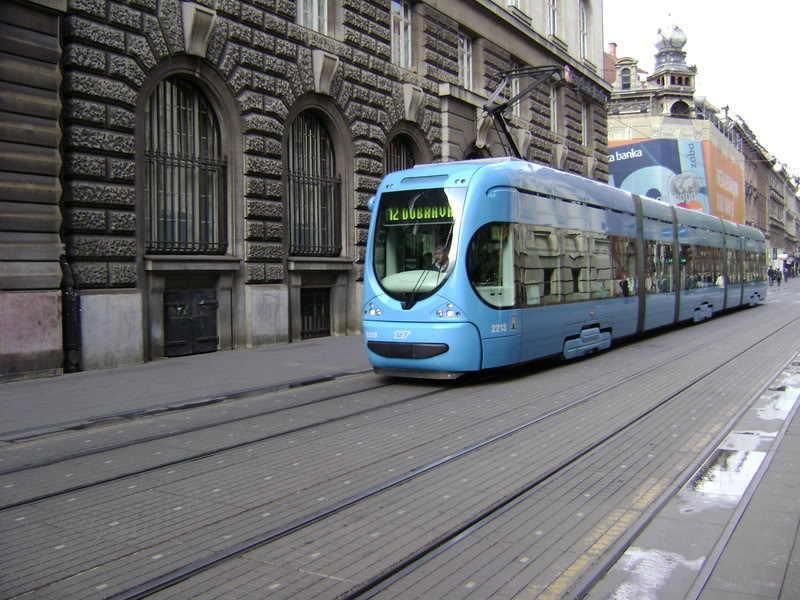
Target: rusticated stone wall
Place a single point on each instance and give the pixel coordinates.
(266, 60)
(104, 63)
(30, 191)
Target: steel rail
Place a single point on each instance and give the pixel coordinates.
(178, 575)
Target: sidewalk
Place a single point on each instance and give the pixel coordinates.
(38, 406)
(733, 531)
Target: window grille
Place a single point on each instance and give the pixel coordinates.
(401, 33)
(399, 155)
(314, 190)
(184, 173)
(315, 312)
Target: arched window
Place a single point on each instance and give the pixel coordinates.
(314, 190)
(184, 172)
(399, 154)
(680, 109)
(625, 76)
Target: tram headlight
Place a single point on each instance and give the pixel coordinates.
(373, 311)
(448, 310)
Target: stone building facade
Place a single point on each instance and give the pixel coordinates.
(663, 105)
(772, 195)
(216, 157)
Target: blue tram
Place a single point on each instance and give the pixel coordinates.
(486, 263)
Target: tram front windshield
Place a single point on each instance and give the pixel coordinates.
(414, 245)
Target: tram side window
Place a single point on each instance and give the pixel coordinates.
(755, 266)
(623, 260)
(735, 265)
(540, 258)
(602, 273)
(761, 261)
(700, 266)
(687, 266)
(760, 269)
(613, 266)
(715, 266)
(490, 264)
(567, 265)
(658, 268)
(575, 283)
(749, 266)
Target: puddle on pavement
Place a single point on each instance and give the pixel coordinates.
(778, 401)
(745, 441)
(717, 487)
(722, 481)
(648, 572)
(728, 473)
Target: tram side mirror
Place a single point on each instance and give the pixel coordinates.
(371, 203)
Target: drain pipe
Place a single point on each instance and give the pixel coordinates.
(71, 319)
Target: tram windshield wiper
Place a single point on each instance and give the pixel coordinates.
(411, 299)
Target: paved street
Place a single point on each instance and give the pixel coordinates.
(552, 473)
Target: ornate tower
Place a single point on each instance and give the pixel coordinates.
(672, 80)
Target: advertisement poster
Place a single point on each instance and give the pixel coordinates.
(669, 170)
(725, 181)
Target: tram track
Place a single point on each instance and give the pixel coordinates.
(426, 554)
(95, 452)
(214, 559)
(200, 455)
(257, 541)
(172, 434)
(429, 551)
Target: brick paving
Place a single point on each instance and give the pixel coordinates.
(557, 541)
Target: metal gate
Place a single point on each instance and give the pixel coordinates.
(190, 322)
(315, 312)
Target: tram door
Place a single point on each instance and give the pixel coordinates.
(190, 322)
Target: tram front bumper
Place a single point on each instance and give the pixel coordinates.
(422, 347)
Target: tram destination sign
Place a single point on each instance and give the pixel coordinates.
(396, 215)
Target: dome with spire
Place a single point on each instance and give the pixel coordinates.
(670, 55)
(670, 37)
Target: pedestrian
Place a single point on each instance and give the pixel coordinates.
(771, 275)
(778, 276)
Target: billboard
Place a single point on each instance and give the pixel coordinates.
(699, 175)
(669, 170)
(725, 174)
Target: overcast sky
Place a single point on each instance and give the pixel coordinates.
(746, 55)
